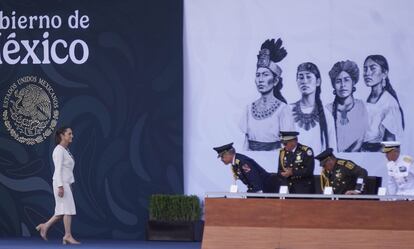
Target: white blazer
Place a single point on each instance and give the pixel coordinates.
(64, 165)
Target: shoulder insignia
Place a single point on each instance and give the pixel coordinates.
(304, 147)
(246, 168)
(309, 152)
(349, 165)
(237, 161)
(341, 162)
(407, 159)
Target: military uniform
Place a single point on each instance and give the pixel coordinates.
(343, 176)
(400, 171)
(401, 176)
(302, 163)
(250, 173)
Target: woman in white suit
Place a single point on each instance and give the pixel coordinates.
(62, 180)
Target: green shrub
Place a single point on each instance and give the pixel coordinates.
(174, 208)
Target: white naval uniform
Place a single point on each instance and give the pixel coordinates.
(63, 176)
(401, 176)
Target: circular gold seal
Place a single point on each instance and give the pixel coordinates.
(30, 110)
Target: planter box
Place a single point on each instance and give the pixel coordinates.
(175, 231)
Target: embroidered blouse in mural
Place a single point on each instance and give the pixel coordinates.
(385, 114)
(262, 127)
(308, 125)
(350, 134)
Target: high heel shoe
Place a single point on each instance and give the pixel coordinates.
(70, 240)
(40, 229)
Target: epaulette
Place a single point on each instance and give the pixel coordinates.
(349, 165)
(307, 150)
(341, 162)
(407, 159)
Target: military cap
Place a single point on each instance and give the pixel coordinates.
(288, 135)
(324, 155)
(223, 149)
(388, 146)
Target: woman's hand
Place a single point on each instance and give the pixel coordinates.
(60, 191)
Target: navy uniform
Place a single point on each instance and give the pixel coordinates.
(301, 161)
(247, 170)
(343, 176)
(400, 171)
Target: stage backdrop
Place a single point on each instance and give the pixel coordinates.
(225, 93)
(110, 70)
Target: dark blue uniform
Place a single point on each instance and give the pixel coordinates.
(250, 173)
(302, 163)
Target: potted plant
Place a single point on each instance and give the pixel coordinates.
(174, 218)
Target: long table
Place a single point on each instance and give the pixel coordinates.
(275, 221)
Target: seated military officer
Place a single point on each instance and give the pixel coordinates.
(245, 169)
(400, 170)
(296, 164)
(340, 174)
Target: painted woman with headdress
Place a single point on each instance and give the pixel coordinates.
(349, 113)
(385, 115)
(269, 114)
(312, 120)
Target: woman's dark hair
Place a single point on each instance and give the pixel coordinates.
(352, 69)
(59, 132)
(310, 67)
(347, 66)
(382, 62)
(276, 90)
(273, 51)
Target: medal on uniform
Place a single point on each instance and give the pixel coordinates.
(402, 169)
(298, 158)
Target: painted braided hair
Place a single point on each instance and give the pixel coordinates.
(310, 67)
(349, 67)
(380, 60)
(276, 54)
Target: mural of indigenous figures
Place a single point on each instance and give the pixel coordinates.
(385, 115)
(350, 114)
(269, 114)
(313, 121)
